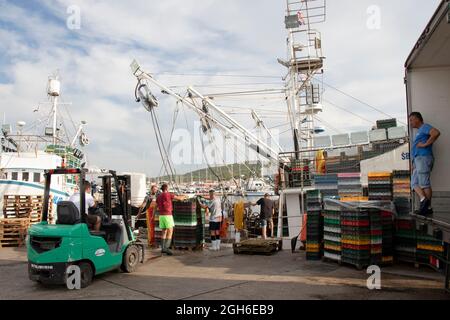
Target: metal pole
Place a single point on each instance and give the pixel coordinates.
(280, 216)
(76, 135)
(55, 110)
(261, 123)
(233, 122)
(200, 112)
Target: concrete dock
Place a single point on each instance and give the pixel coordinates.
(206, 275)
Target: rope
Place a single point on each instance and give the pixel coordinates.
(163, 152)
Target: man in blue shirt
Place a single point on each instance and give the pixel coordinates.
(423, 160)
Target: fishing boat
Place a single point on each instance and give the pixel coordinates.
(47, 143)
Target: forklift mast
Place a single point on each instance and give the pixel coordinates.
(123, 188)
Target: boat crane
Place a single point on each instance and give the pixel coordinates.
(226, 124)
(260, 124)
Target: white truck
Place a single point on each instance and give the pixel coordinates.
(428, 92)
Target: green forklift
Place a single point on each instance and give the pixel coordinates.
(53, 248)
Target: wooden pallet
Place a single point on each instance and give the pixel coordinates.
(418, 264)
(188, 248)
(20, 206)
(13, 232)
(258, 247)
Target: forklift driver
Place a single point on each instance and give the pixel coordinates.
(94, 221)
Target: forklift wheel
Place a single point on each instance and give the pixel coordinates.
(86, 274)
(130, 259)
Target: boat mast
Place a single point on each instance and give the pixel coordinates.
(305, 60)
(54, 90)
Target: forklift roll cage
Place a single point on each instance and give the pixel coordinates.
(123, 193)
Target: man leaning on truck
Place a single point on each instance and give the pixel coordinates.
(423, 160)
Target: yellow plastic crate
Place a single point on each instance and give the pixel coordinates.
(430, 248)
(357, 243)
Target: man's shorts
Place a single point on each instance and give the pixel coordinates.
(166, 222)
(214, 226)
(422, 171)
(265, 222)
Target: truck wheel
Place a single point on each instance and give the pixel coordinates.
(130, 259)
(87, 274)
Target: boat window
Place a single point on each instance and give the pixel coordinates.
(37, 177)
(25, 176)
(14, 176)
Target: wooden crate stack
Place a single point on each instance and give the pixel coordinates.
(29, 207)
(19, 213)
(13, 232)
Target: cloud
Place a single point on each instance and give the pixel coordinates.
(191, 37)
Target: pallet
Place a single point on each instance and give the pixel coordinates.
(21, 206)
(13, 232)
(11, 244)
(358, 267)
(329, 260)
(258, 247)
(189, 248)
(419, 265)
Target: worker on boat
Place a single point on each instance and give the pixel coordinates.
(94, 221)
(423, 160)
(214, 210)
(266, 214)
(166, 222)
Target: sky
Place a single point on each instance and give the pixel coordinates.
(217, 46)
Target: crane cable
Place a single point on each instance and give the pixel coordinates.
(174, 120)
(210, 138)
(163, 152)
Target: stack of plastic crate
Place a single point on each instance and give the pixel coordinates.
(428, 249)
(380, 186)
(349, 185)
(376, 236)
(300, 176)
(405, 242)
(201, 225)
(314, 226)
(356, 240)
(332, 231)
(327, 184)
(186, 223)
(388, 236)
